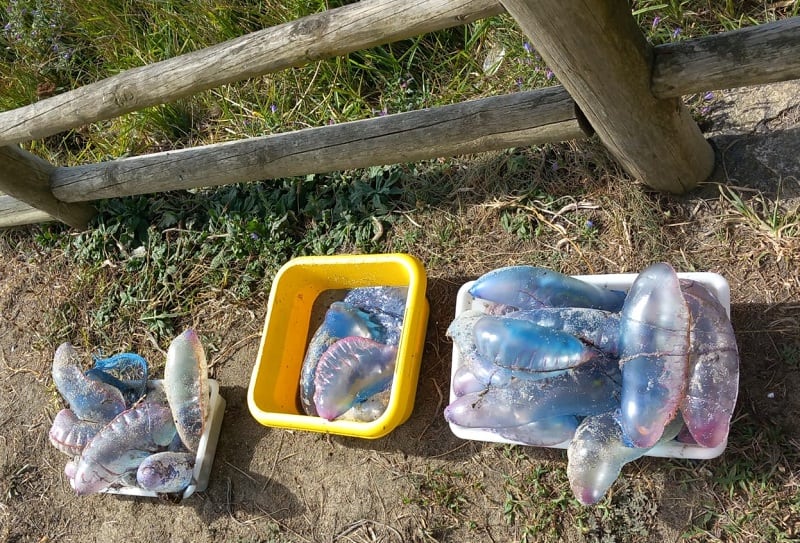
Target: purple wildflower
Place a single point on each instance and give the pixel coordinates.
(527, 46)
(708, 96)
(273, 108)
(549, 74)
(656, 21)
(676, 32)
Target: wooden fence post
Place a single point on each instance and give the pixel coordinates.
(26, 178)
(603, 60)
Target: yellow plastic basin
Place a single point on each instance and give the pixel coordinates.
(273, 392)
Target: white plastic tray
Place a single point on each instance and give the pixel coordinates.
(715, 283)
(205, 450)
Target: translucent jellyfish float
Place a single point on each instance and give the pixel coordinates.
(610, 374)
(350, 360)
(654, 354)
(123, 431)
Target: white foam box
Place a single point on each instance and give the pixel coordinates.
(205, 450)
(715, 283)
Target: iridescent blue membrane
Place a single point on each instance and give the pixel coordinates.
(349, 363)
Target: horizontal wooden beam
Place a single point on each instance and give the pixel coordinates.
(753, 55)
(499, 122)
(331, 33)
(26, 178)
(16, 213)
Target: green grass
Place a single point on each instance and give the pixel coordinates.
(231, 239)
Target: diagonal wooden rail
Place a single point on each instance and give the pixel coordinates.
(323, 35)
(606, 67)
(16, 164)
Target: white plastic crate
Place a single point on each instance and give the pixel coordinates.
(715, 283)
(206, 449)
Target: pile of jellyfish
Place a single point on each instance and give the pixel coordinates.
(553, 360)
(123, 430)
(349, 363)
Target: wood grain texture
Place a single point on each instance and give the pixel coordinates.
(499, 122)
(16, 213)
(754, 55)
(335, 32)
(26, 178)
(601, 57)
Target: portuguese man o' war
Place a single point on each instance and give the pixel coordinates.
(369, 409)
(349, 364)
(69, 434)
(654, 366)
(589, 389)
(595, 327)
(341, 320)
(351, 371)
(525, 346)
(541, 433)
(89, 399)
(143, 435)
(654, 348)
(385, 305)
(166, 472)
(530, 287)
(121, 445)
(713, 383)
(597, 453)
(478, 371)
(186, 386)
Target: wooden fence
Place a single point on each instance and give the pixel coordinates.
(614, 84)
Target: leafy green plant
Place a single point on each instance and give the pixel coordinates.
(537, 500)
(238, 235)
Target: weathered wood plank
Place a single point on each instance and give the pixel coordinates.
(603, 60)
(26, 177)
(335, 32)
(499, 122)
(16, 213)
(753, 55)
